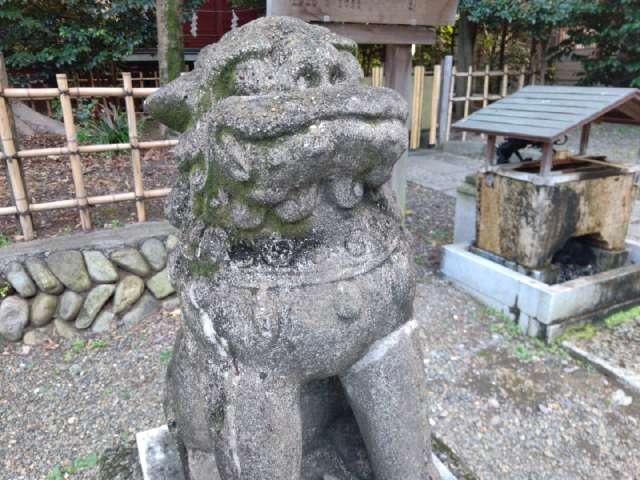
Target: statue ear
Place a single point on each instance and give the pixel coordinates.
(170, 104)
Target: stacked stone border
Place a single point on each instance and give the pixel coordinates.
(87, 283)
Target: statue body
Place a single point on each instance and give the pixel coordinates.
(298, 358)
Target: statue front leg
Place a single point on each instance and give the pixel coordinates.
(261, 437)
(386, 390)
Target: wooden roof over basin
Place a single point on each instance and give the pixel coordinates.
(546, 113)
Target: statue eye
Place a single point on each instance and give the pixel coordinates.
(336, 75)
(308, 77)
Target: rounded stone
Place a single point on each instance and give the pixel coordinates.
(35, 337)
(154, 251)
(160, 285)
(128, 291)
(65, 330)
(100, 268)
(69, 268)
(93, 304)
(132, 261)
(171, 243)
(14, 317)
(104, 322)
(20, 280)
(43, 308)
(42, 276)
(69, 305)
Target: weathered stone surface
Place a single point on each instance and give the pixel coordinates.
(154, 251)
(128, 291)
(65, 330)
(291, 265)
(171, 243)
(35, 337)
(160, 285)
(69, 268)
(43, 308)
(141, 310)
(69, 305)
(100, 268)
(132, 261)
(104, 322)
(94, 302)
(20, 280)
(42, 276)
(14, 317)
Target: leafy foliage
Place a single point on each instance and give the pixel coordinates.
(75, 35)
(110, 126)
(51, 36)
(613, 27)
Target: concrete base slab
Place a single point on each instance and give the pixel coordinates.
(160, 460)
(542, 310)
(158, 454)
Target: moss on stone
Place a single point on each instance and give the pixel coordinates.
(174, 114)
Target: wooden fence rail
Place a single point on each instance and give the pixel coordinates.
(12, 155)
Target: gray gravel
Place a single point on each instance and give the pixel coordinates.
(618, 346)
(62, 402)
(507, 408)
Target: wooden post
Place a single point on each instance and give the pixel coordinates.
(443, 116)
(377, 76)
(485, 92)
(451, 95)
(14, 172)
(135, 149)
(490, 151)
(521, 79)
(467, 97)
(546, 161)
(505, 82)
(74, 156)
(398, 77)
(435, 101)
(416, 108)
(584, 139)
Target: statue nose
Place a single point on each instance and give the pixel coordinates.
(319, 75)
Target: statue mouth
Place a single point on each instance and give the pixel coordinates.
(294, 139)
(264, 117)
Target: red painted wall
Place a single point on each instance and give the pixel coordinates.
(214, 20)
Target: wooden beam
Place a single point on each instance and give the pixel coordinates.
(445, 92)
(398, 77)
(435, 101)
(546, 161)
(14, 170)
(433, 12)
(490, 150)
(584, 138)
(384, 34)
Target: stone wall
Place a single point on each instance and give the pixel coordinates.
(84, 283)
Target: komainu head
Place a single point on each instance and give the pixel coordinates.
(280, 139)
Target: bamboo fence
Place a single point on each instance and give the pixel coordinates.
(12, 155)
(477, 92)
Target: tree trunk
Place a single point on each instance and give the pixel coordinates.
(503, 44)
(543, 61)
(532, 59)
(466, 36)
(170, 41)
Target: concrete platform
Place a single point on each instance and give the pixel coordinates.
(542, 310)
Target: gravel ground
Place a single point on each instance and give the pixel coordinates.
(619, 346)
(63, 403)
(503, 407)
(506, 407)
